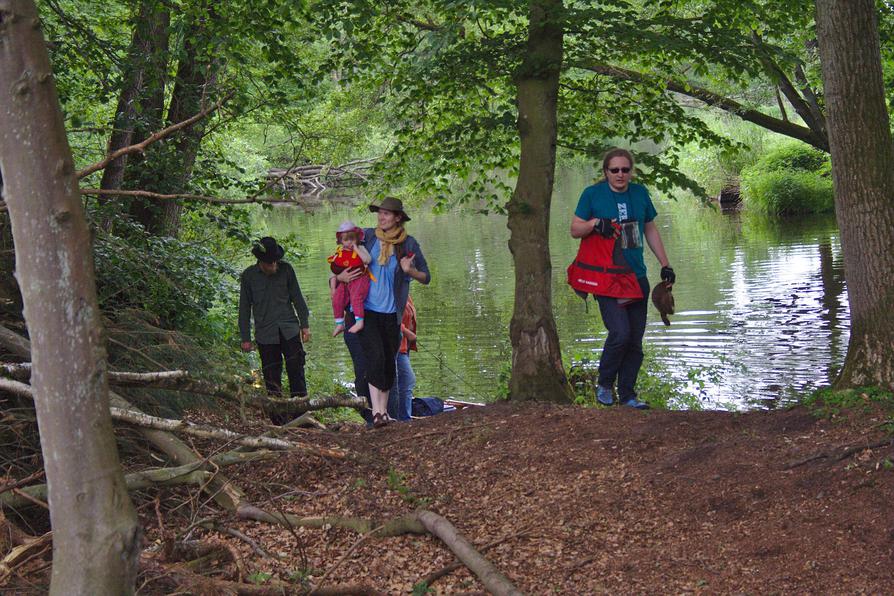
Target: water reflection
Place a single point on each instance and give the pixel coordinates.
(762, 306)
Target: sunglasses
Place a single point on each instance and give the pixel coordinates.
(616, 170)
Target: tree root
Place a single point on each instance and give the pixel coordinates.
(495, 582)
(836, 457)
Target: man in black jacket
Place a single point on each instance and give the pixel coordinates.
(270, 294)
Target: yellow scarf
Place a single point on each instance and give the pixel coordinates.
(387, 240)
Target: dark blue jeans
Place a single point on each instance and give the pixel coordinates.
(358, 359)
(622, 355)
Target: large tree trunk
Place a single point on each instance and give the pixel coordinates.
(194, 88)
(142, 90)
(96, 539)
(537, 371)
(863, 172)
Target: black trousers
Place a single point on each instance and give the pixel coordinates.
(272, 356)
(380, 337)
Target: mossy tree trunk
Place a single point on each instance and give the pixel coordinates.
(863, 173)
(96, 539)
(537, 371)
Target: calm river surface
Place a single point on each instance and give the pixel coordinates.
(762, 308)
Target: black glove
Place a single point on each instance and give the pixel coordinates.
(668, 275)
(604, 228)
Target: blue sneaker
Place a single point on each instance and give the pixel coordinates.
(635, 403)
(604, 395)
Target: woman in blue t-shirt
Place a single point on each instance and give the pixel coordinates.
(396, 260)
(616, 200)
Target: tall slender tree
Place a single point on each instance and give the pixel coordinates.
(537, 371)
(96, 539)
(863, 173)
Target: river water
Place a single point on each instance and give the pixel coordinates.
(762, 310)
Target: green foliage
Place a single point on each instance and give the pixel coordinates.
(178, 282)
(259, 578)
(828, 402)
(794, 157)
(789, 180)
(422, 588)
(397, 481)
(655, 385)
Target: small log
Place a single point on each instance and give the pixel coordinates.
(224, 492)
(196, 430)
(495, 582)
(188, 474)
(407, 524)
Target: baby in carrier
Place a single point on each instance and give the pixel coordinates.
(349, 255)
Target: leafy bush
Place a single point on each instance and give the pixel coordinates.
(789, 180)
(794, 156)
(788, 193)
(177, 282)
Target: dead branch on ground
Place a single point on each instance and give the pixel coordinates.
(187, 474)
(20, 555)
(495, 582)
(432, 577)
(406, 524)
(840, 455)
(224, 492)
(137, 418)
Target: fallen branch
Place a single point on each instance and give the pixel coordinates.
(21, 482)
(495, 582)
(181, 380)
(202, 431)
(138, 418)
(257, 548)
(224, 492)
(187, 474)
(432, 577)
(20, 555)
(406, 524)
(836, 457)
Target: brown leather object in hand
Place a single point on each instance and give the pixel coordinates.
(663, 299)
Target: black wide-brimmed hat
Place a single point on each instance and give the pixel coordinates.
(391, 204)
(266, 249)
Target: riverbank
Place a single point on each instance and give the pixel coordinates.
(589, 501)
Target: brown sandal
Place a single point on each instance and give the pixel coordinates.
(380, 420)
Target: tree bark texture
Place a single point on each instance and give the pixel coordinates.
(863, 175)
(537, 371)
(96, 537)
(144, 76)
(194, 87)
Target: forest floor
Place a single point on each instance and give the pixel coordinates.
(583, 501)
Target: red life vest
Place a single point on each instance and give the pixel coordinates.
(600, 268)
(344, 259)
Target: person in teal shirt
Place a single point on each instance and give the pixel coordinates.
(616, 200)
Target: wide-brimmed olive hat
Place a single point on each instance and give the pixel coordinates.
(266, 249)
(391, 204)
